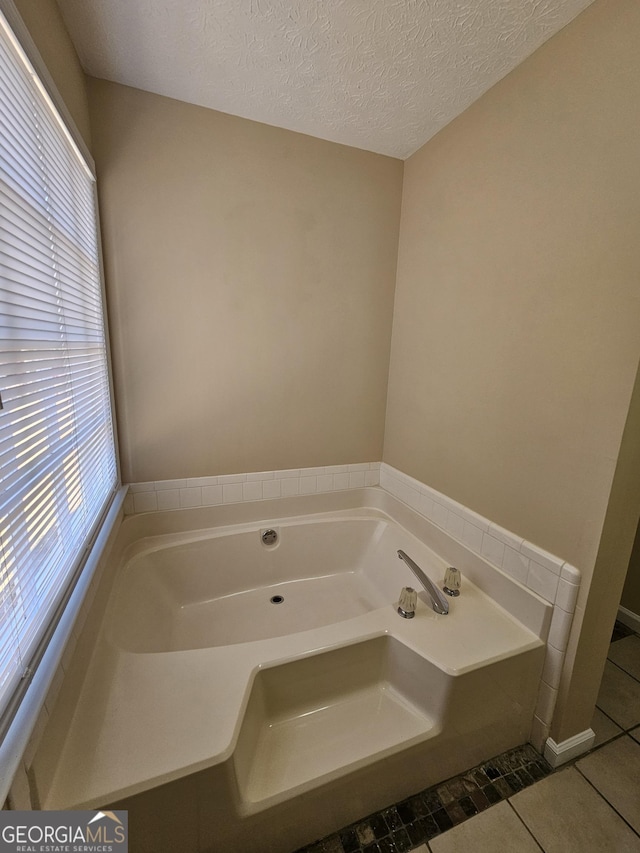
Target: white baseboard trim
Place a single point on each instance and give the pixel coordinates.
(559, 753)
(629, 618)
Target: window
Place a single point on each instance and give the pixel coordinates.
(57, 457)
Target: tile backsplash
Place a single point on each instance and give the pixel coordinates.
(236, 488)
(549, 576)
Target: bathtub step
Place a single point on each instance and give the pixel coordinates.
(293, 752)
(316, 719)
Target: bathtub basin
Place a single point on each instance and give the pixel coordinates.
(229, 588)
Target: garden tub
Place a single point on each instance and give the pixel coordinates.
(260, 666)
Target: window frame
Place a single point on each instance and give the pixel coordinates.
(22, 714)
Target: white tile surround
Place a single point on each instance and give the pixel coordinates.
(550, 577)
(236, 488)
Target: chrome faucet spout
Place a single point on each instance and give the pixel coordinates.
(438, 601)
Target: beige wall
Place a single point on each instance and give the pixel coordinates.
(516, 332)
(47, 29)
(250, 274)
(517, 313)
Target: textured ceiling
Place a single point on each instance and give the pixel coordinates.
(383, 75)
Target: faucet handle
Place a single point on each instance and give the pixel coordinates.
(408, 602)
(452, 581)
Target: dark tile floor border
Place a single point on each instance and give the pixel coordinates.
(412, 822)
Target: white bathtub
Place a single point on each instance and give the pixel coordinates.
(288, 719)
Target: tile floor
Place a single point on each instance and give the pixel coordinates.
(517, 804)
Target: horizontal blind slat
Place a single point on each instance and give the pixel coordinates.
(34, 224)
(57, 455)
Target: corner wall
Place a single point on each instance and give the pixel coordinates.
(250, 277)
(515, 338)
(594, 618)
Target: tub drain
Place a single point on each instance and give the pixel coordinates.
(276, 599)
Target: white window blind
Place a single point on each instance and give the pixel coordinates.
(57, 456)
